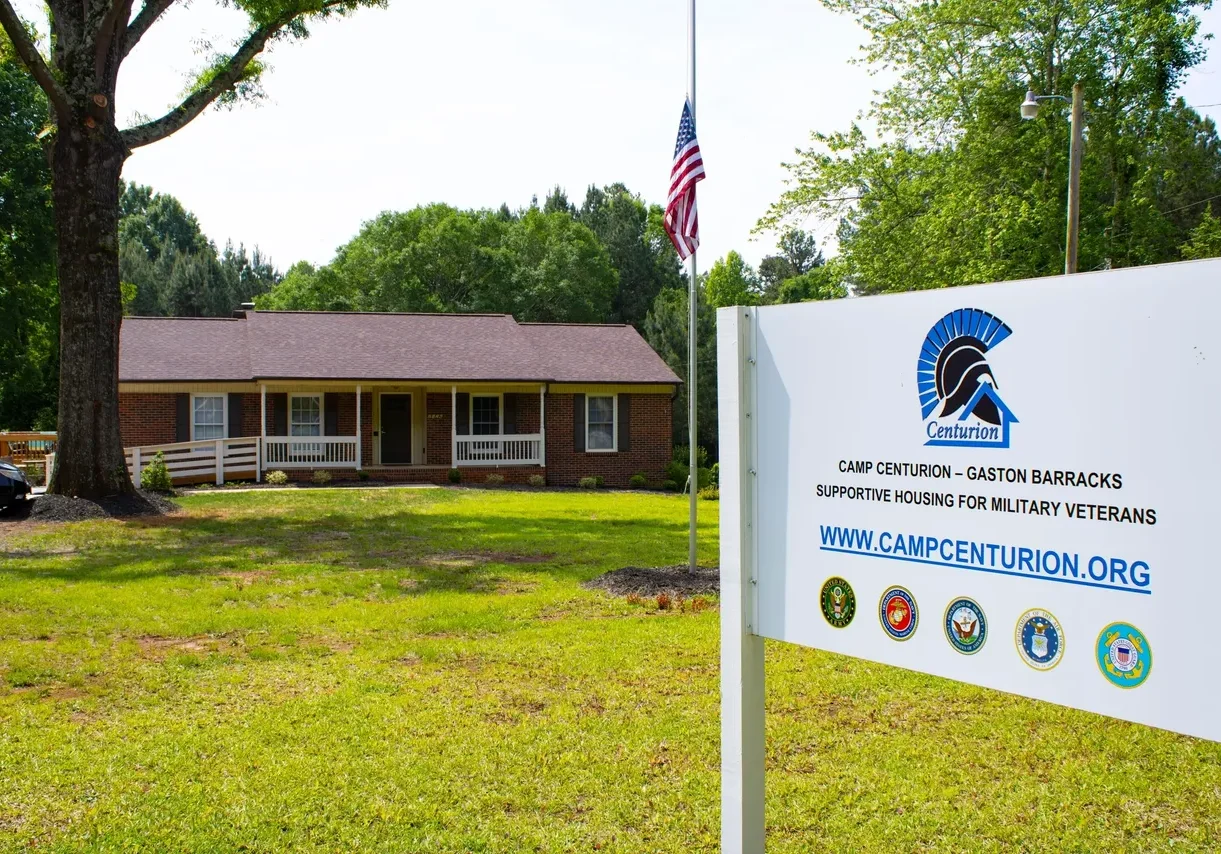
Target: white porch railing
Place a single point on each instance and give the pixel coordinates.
(301, 452)
(522, 450)
(212, 458)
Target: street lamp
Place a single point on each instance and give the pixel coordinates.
(1030, 110)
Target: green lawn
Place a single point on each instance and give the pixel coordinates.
(419, 670)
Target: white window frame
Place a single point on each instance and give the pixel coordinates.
(500, 414)
(614, 448)
(224, 408)
(321, 412)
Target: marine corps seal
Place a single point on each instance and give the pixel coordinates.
(898, 614)
(838, 602)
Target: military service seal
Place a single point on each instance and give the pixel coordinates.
(897, 611)
(966, 628)
(1124, 655)
(838, 602)
(1039, 639)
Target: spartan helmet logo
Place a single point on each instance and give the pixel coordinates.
(953, 365)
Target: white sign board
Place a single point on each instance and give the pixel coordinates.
(1012, 485)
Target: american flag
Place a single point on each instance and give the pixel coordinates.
(682, 221)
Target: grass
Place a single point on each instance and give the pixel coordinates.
(420, 671)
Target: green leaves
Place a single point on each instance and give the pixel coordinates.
(958, 189)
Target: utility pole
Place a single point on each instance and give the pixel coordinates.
(1074, 181)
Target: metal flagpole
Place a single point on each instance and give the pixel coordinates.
(693, 482)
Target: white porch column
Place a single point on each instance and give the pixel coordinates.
(258, 474)
(453, 427)
(358, 428)
(542, 425)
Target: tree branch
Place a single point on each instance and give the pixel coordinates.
(198, 101)
(33, 60)
(145, 18)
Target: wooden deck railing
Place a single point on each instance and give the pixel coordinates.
(207, 459)
(27, 447)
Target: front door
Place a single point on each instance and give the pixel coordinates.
(396, 429)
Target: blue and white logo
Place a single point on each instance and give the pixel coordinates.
(958, 391)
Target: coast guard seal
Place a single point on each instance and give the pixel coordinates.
(1039, 639)
(1124, 655)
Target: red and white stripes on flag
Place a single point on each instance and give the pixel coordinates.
(682, 221)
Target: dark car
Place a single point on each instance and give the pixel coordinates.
(14, 487)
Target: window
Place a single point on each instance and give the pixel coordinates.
(208, 417)
(600, 423)
(485, 415)
(306, 415)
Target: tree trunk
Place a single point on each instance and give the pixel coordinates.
(86, 165)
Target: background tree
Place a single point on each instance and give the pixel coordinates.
(732, 281)
(28, 310)
(89, 40)
(1205, 239)
(643, 257)
(960, 190)
(665, 328)
(798, 254)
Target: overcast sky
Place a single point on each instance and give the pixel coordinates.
(479, 102)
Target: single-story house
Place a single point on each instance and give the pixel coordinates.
(268, 390)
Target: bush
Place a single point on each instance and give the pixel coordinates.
(362, 475)
(678, 472)
(155, 475)
(538, 480)
(322, 477)
(588, 483)
(455, 476)
(710, 493)
(716, 474)
(598, 480)
(276, 478)
(637, 481)
(682, 454)
(669, 485)
(495, 479)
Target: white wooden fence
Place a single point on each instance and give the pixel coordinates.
(211, 458)
(512, 450)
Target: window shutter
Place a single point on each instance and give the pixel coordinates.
(464, 414)
(624, 427)
(279, 414)
(510, 414)
(235, 415)
(578, 422)
(330, 414)
(182, 419)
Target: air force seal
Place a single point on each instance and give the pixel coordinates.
(897, 611)
(838, 602)
(1039, 639)
(1124, 655)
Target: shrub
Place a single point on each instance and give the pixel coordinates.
(588, 483)
(495, 479)
(538, 480)
(663, 601)
(155, 475)
(716, 474)
(276, 478)
(207, 484)
(362, 475)
(322, 477)
(599, 481)
(669, 485)
(677, 472)
(635, 599)
(637, 481)
(455, 476)
(710, 493)
(682, 454)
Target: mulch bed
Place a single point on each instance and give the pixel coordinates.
(650, 581)
(61, 508)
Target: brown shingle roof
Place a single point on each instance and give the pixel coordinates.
(336, 345)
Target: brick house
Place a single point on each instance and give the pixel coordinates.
(261, 391)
